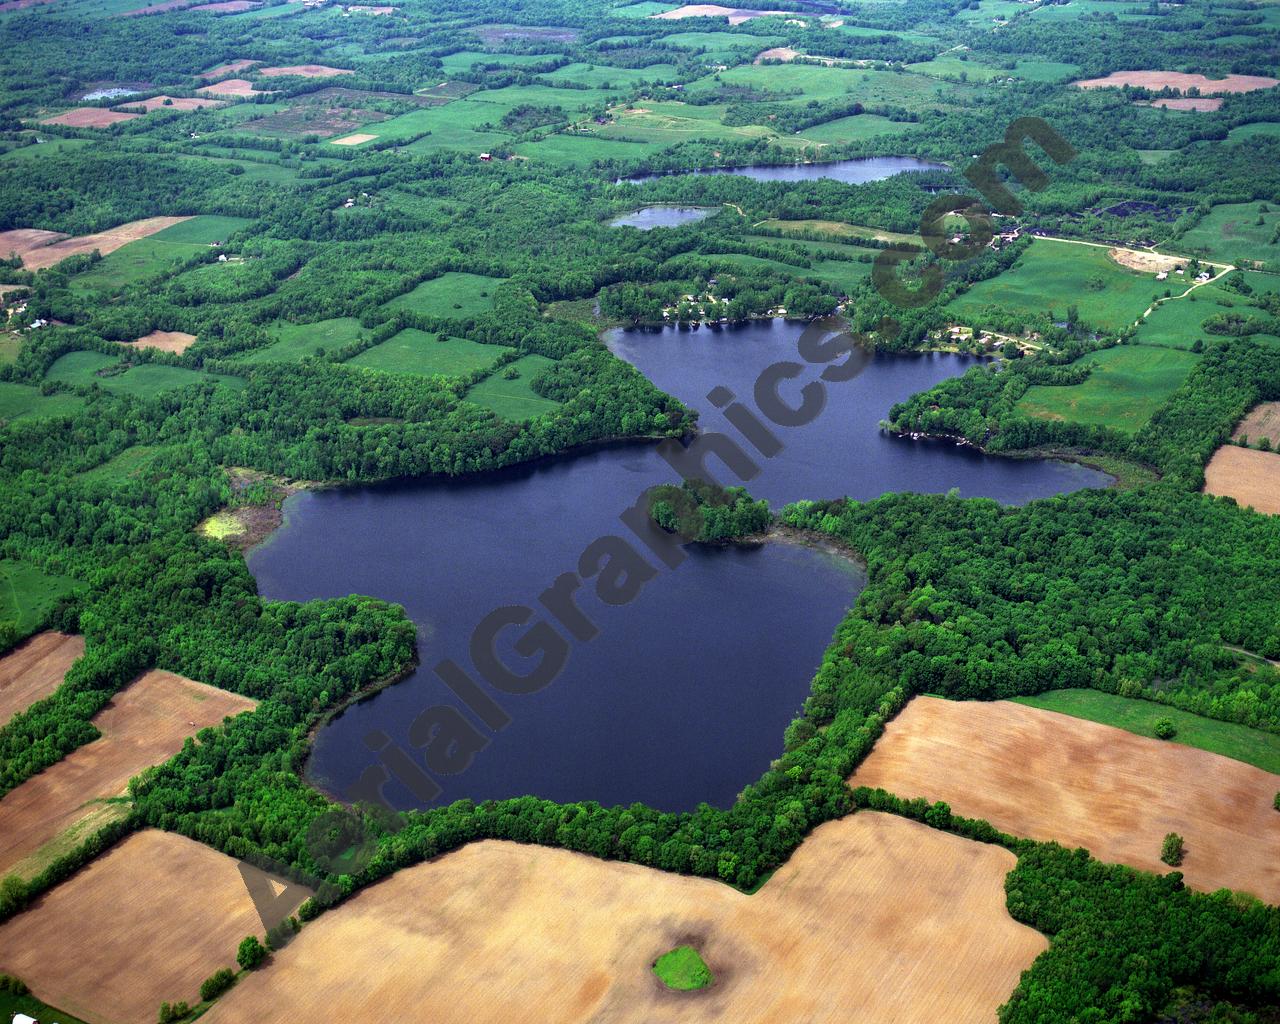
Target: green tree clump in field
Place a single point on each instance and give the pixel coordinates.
(217, 983)
(683, 969)
(1171, 852)
(251, 953)
(1165, 729)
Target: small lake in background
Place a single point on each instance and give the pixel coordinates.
(852, 172)
(649, 217)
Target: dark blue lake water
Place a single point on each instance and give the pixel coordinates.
(684, 694)
(851, 172)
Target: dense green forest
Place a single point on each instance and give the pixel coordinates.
(454, 187)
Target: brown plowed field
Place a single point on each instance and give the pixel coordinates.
(175, 103)
(874, 919)
(143, 924)
(239, 88)
(306, 71)
(1251, 477)
(104, 241)
(21, 241)
(1049, 776)
(33, 670)
(90, 117)
(144, 724)
(1263, 421)
(1180, 81)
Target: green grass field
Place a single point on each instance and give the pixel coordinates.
(27, 594)
(1180, 323)
(815, 82)
(1231, 233)
(949, 66)
(298, 341)
(10, 346)
(514, 400)
(855, 128)
(449, 295)
(130, 463)
(682, 969)
(414, 351)
(1239, 742)
(617, 79)
(43, 149)
(574, 150)
(146, 380)
(1255, 130)
(153, 255)
(22, 402)
(1052, 275)
(1127, 385)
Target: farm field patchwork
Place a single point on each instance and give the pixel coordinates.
(154, 917)
(1049, 776)
(155, 254)
(300, 341)
(1127, 385)
(106, 242)
(164, 341)
(1251, 477)
(1052, 275)
(1231, 232)
(1180, 81)
(417, 352)
(500, 931)
(34, 669)
(142, 725)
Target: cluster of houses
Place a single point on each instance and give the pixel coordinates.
(1201, 277)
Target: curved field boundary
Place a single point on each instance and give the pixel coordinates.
(104, 241)
(33, 670)
(1049, 776)
(874, 918)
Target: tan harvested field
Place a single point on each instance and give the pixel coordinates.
(873, 912)
(21, 241)
(777, 53)
(33, 670)
(1180, 81)
(1263, 421)
(90, 117)
(239, 88)
(164, 341)
(104, 241)
(143, 924)
(160, 8)
(1201, 103)
(1048, 776)
(306, 71)
(1249, 476)
(18, 5)
(228, 6)
(227, 69)
(142, 725)
(353, 140)
(1146, 262)
(372, 10)
(174, 103)
(736, 15)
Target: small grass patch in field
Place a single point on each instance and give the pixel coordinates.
(682, 969)
(299, 341)
(1127, 385)
(454, 294)
(511, 397)
(130, 463)
(10, 346)
(22, 402)
(1052, 275)
(417, 352)
(1238, 742)
(28, 594)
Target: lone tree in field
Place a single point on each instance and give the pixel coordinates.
(251, 953)
(1165, 729)
(1172, 851)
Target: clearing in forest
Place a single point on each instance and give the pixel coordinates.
(417, 352)
(499, 931)
(736, 15)
(164, 341)
(236, 88)
(104, 241)
(353, 140)
(1180, 81)
(1251, 477)
(33, 670)
(171, 103)
(27, 593)
(1048, 776)
(89, 117)
(227, 69)
(142, 725)
(21, 241)
(145, 923)
(1201, 103)
(305, 71)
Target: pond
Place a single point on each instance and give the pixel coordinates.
(851, 172)
(684, 693)
(649, 217)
